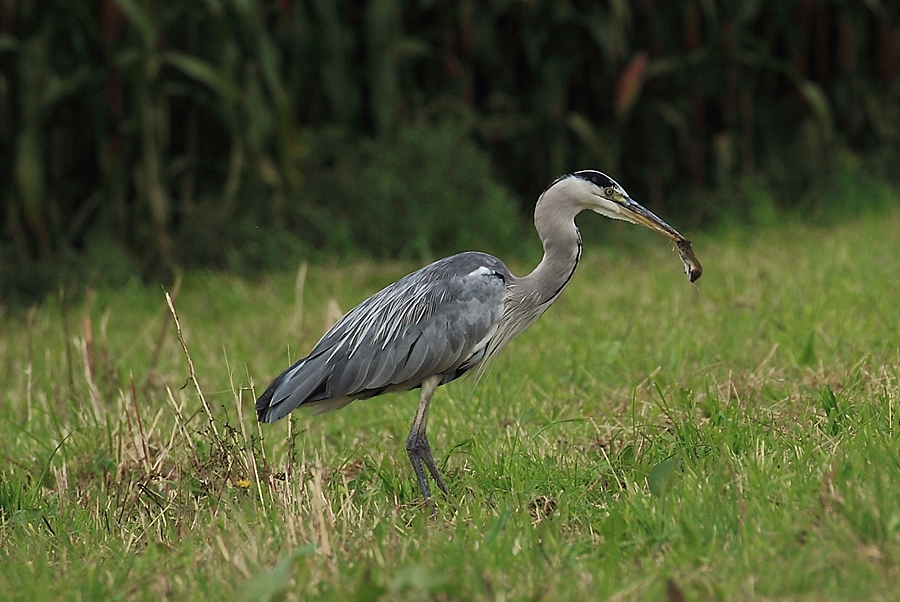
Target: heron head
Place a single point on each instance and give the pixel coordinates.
(606, 197)
(600, 193)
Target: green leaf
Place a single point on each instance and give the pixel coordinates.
(270, 63)
(271, 585)
(60, 88)
(497, 527)
(833, 411)
(203, 72)
(368, 590)
(139, 17)
(666, 65)
(417, 578)
(215, 7)
(614, 528)
(808, 355)
(29, 172)
(8, 42)
(244, 6)
(828, 401)
(818, 102)
(660, 477)
(592, 138)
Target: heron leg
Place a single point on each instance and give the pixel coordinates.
(417, 447)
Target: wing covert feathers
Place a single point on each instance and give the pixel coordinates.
(435, 321)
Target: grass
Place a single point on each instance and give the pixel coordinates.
(644, 440)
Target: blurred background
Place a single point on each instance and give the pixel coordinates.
(138, 137)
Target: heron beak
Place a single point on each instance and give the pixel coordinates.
(643, 216)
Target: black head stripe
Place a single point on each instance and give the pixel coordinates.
(595, 177)
(589, 175)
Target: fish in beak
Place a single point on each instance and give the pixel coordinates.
(641, 215)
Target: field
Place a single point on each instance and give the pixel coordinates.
(646, 439)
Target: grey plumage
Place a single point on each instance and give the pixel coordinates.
(449, 318)
(429, 322)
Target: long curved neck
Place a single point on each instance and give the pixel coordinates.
(554, 219)
(528, 297)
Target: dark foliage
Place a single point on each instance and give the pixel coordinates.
(187, 133)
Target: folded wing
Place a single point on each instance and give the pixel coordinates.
(435, 321)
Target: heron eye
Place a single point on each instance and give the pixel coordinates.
(609, 191)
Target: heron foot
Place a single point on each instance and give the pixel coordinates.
(419, 452)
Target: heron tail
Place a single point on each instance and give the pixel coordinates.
(284, 393)
(304, 382)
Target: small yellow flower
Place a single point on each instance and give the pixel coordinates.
(242, 483)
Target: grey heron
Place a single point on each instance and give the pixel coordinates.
(451, 317)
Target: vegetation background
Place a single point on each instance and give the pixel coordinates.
(274, 161)
(137, 136)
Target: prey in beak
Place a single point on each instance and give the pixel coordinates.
(608, 198)
(634, 211)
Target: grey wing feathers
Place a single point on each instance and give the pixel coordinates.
(437, 320)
